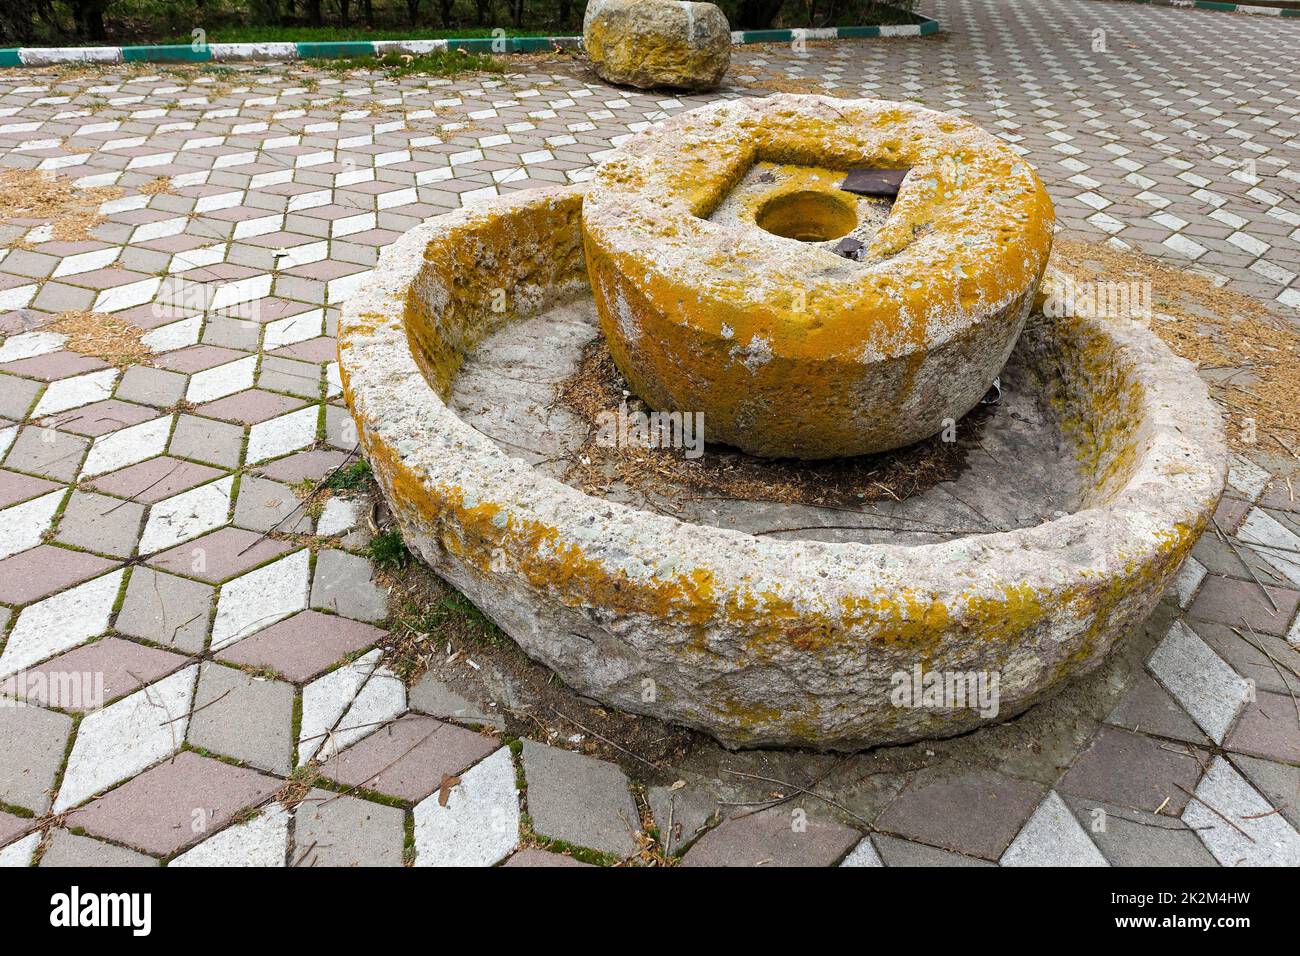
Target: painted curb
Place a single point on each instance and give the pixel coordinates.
(1224, 7)
(267, 52)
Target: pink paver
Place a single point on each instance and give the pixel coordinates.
(409, 757)
(302, 646)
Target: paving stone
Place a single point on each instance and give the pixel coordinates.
(207, 440)
(1229, 601)
(286, 375)
(187, 515)
(530, 856)
(314, 465)
(19, 853)
(15, 487)
(24, 525)
(1147, 707)
(47, 452)
(221, 555)
(262, 841)
(99, 523)
(245, 717)
(409, 758)
(126, 737)
(1132, 770)
(1206, 687)
(91, 675)
(155, 479)
(303, 646)
(896, 852)
(265, 505)
(1128, 837)
(60, 622)
(344, 584)
(17, 395)
(188, 797)
(40, 571)
(776, 837)
(166, 609)
(580, 800)
(478, 824)
(333, 830)
(974, 812)
(690, 809)
(99, 418)
(864, 854)
(1272, 840)
(1278, 782)
(70, 850)
(13, 826)
(259, 598)
(1269, 727)
(32, 742)
(250, 407)
(1257, 657)
(151, 386)
(1053, 837)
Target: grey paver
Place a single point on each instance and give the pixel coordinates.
(1133, 770)
(333, 830)
(166, 609)
(47, 452)
(898, 852)
(579, 799)
(1128, 837)
(207, 440)
(32, 742)
(409, 758)
(778, 836)
(70, 850)
(151, 386)
(435, 698)
(100, 523)
(1278, 782)
(264, 505)
(687, 810)
(17, 396)
(344, 584)
(245, 717)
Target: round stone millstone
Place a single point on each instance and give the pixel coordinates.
(653, 43)
(789, 349)
(756, 640)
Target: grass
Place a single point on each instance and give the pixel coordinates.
(353, 476)
(333, 34)
(388, 550)
(438, 63)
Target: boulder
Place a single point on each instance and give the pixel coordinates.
(651, 43)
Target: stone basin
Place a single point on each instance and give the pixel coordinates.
(756, 618)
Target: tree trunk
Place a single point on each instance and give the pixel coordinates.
(313, 12)
(412, 12)
(444, 9)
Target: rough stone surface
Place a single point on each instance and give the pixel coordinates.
(579, 800)
(790, 350)
(696, 602)
(651, 43)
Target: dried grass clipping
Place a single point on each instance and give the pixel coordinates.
(103, 336)
(42, 196)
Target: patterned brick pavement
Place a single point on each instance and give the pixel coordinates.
(248, 202)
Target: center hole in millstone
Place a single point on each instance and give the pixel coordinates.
(808, 215)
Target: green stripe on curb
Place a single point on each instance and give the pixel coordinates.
(474, 45)
(180, 53)
(766, 36)
(929, 27)
(854, 33)
(340, 48)
(10, 57)
(1212, 5)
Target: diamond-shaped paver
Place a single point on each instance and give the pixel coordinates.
(220, 555)
(262, 841)
(47, 452)
(1133, 770)
(207, 440)
(60, 622)
(1234, 602)
(99, 523)
(37, 572)
(151, 386)
(777, 836)
(1206, 687)
(260, 598)
(303, 646)
(335, 830)
(975, 812)
(91, 675)
(408, 758)
(268, 505)
(166, 609)
(32, 742)
(478, 822)
(580, 800)
(187, 796)
(1252, 833)
(245, 717)
(71, 850)
(1269, 727)
(1128, 837)
(344, 584)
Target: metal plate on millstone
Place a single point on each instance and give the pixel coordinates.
(874, 182)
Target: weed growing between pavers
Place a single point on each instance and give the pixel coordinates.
(388, 550)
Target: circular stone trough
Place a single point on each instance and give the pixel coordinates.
(709, 240)
(766, 622)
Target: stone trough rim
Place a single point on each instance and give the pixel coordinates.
(1197, 421)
